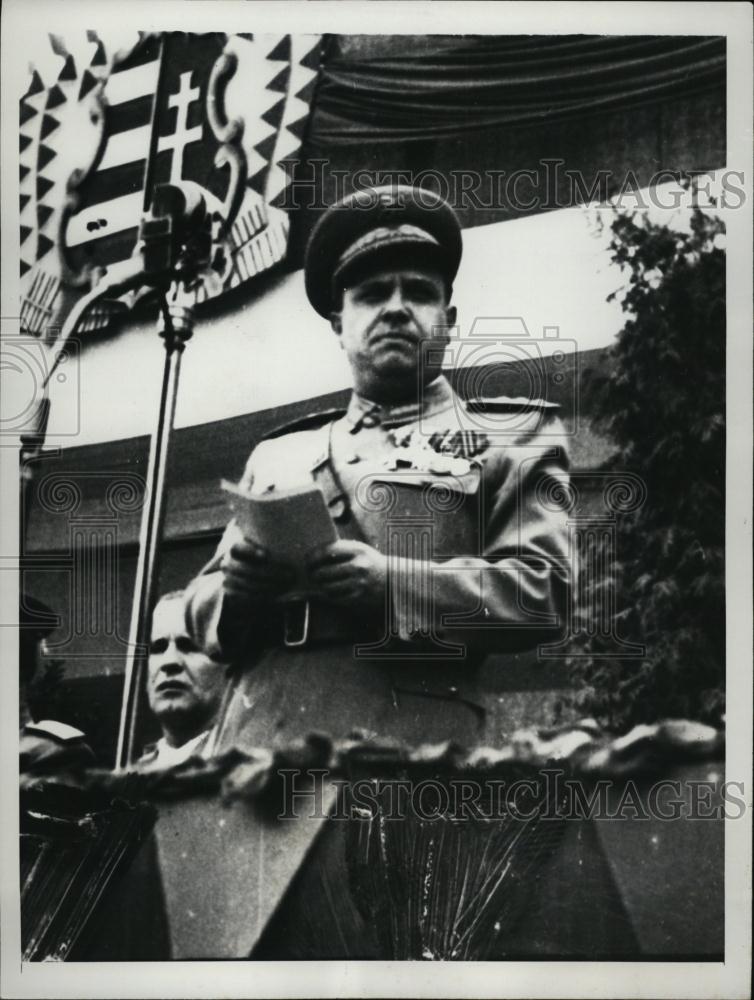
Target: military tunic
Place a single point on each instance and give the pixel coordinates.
(464, 499)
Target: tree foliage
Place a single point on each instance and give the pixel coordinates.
(663, 406)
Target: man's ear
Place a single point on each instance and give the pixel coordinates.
(450, 315)
(336, 322)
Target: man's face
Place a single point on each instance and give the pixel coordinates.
(184, 685)
(386, 316)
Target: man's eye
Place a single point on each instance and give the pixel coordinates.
(158, 646)
(371, 293)
(185, 645)
(421, 293)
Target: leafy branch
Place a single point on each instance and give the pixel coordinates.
(662, 404)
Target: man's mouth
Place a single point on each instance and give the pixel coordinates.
(405, 336)
(172, 686)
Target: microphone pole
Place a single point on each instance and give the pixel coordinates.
(176, 245)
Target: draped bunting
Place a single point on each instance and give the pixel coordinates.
(494, 81)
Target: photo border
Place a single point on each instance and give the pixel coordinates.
(730, 979)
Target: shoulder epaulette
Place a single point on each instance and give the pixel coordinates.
(508, 404)
(58, 730)
(306, 423)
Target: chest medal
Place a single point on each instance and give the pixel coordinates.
(443, 452)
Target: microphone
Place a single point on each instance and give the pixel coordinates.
(176, 234)
(175, 239)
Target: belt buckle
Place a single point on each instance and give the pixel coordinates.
(292, 636)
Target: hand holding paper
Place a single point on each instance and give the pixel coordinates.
(350, 572)
(250, 575)
(282, 530)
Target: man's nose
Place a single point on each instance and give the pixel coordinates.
(396, 303)
(171, 666)
(171, 660)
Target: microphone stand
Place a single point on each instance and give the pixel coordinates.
(176, 327)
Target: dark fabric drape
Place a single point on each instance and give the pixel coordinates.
(503, 80)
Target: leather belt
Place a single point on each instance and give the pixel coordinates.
(299, 623)
(296, 624)
(296, 617)
(303, 622)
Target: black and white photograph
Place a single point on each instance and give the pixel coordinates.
(376, 443)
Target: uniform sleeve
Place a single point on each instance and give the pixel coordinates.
(516, 593)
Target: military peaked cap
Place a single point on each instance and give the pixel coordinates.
(384, 221)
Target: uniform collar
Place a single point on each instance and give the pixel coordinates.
(436, 398)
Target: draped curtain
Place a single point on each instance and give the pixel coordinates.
(493, 81)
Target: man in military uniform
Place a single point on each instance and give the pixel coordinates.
(448, 546)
